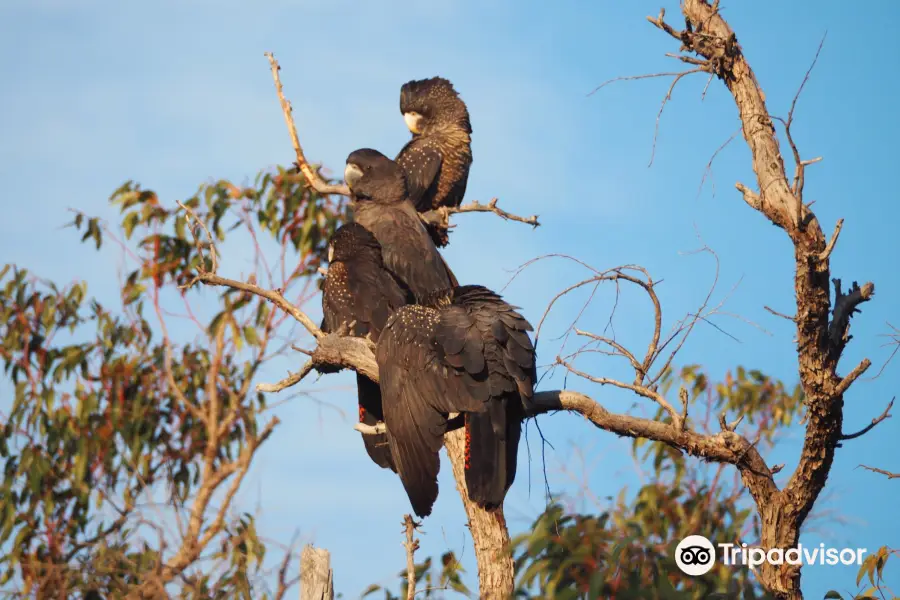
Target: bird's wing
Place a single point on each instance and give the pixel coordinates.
(408, 251)
(374, 294)
(492, 437)
(420, 386)
(509, 352)
(421, 162)
(337, 303)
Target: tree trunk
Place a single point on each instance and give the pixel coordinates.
(489, 533)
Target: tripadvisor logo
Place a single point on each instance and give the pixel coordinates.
(695, 555)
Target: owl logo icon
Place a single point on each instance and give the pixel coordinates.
(695, 555)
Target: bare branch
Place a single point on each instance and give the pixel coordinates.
(888, 474)
(727, 447)
(677, 75)
(834, 237)
(885, 415)
(273, 296)
(311, 176)
(411, 544)
(291, 379)
(376, 429)
(750, 197)
(683, 396)
(441, 217)
(845, 305)
(852, 376)
(636, 77)
(666, 98)
(637, 389)
(708, 170)
(778, 314)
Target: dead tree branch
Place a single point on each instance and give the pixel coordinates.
(302, 164)
(411, 544)
(887, 474)
(885, 415)
(316, 576)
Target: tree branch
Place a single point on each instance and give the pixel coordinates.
(411, 544)
(845, 305)
(888, 474)
(885, 415)
(441, 217)
(312, 176)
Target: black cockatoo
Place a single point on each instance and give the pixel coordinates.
(464, 350)
(358, 289)
(438, 157)
(381, 205)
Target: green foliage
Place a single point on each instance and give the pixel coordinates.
(109, 416)
(430, 582)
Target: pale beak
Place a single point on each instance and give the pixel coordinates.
(352, 174)
(412, 121)
(330, 253)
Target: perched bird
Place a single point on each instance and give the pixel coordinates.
(437, 158)
(359, 290)
(381, 205)
(461, 351)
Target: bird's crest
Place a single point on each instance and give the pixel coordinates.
(437, 101)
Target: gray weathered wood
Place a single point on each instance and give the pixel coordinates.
(316, 577)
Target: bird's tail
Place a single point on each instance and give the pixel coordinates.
(492, 444)
(370, 413)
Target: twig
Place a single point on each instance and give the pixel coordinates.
(885, 415)
(834, 237)
(291, 379)
(273, 296)
(778, 314)
(636, 77)
(750, 197)
(441, 217)
(708, 169)
(376, 429)
(640, 390)
(666, 98)
(882, 472)
(311, 176)
(411, 544)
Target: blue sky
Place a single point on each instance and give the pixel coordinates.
(174, 94)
